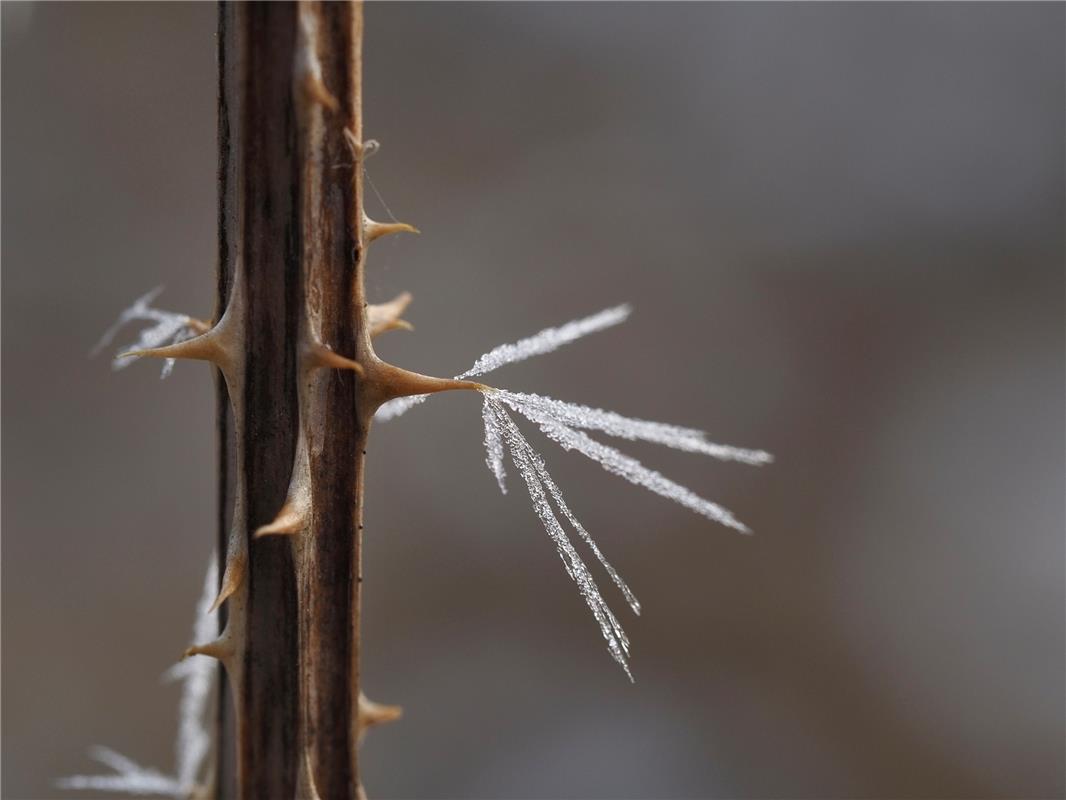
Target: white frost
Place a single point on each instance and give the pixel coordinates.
(169, 328)
(532, 470)
(578, 416)
(546, 341)
(493, 444)
(633, 471)
(197, 674)
(129, 778)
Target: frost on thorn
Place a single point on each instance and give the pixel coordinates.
(193, 745)
(566, 424)
(169, 328)
(546, 341)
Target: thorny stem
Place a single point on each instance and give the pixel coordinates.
(294, 409)
(298, 386)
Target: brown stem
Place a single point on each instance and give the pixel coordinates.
(299, 383)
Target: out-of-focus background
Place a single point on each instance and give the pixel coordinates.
(842, 228)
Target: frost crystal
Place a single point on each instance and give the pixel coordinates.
(565, 424)
(633, 471)
(197, 674)
(493, 444)
(532, 469)
(194, 738)
(573, 415)
(546, 341)
(129, 778)
(169, 328)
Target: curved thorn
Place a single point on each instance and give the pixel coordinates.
(205, 347)
(383, 317)
(391, 381)
(392, 325)
(375, 230)
(318, 92)
(289, 520)
(231, 581)
(371, 713)
(220, 648)
(321, 356)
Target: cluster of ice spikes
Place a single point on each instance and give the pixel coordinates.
(565, 424)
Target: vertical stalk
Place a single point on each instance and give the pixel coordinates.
(290, 235)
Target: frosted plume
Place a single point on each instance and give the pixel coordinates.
(493, 443)
(546, 341)
(169, 328)
(532, 470)
(573, 415)
(197, 674)
(633, 471)
(128, 777)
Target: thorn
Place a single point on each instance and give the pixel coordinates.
(288, 521)
(392, 325)
(321, 356)
(391, 381)
(231, 581)
(220, 649)
(205, 347)
(200, 326)
(318, 91)
(383, 317)
(371, 713)
(375, 230)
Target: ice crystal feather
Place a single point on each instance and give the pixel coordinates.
(129, 777)
(584, 417)
(532, 469)
(197, 675)
(170, 328)
(546, 341)
(565, 424)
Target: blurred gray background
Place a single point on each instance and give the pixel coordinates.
(842, 230)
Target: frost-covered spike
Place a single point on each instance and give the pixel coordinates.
(129, 778)
(633, 471)
(493, 433)
(198, 677)
(169, 328)
(546, 341)
(573, 415)
(493, 444)
(557, 495)
(400, 405)
(522, 454)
